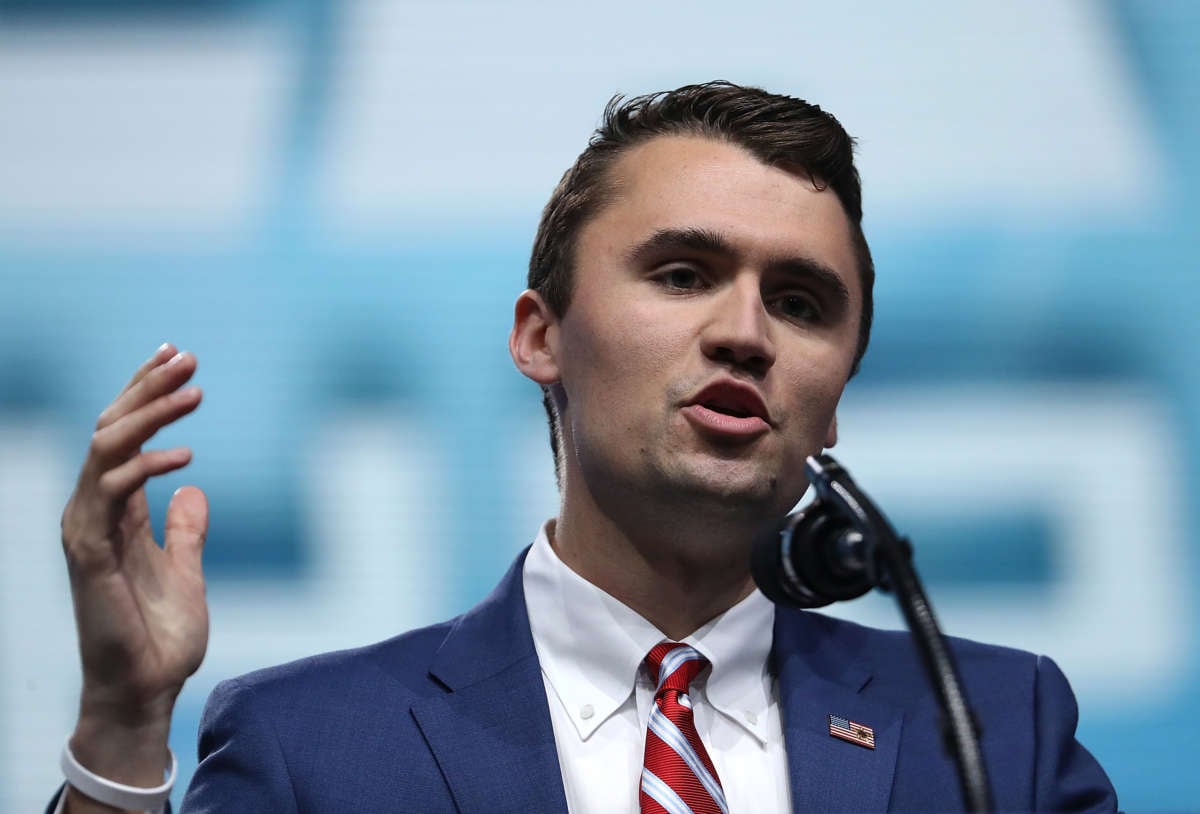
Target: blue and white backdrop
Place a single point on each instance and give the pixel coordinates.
(331, 203)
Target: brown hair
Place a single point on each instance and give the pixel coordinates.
(778, 130)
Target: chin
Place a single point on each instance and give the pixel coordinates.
(732, 488)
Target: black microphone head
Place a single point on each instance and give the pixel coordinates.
(773, 562)
(807, 561)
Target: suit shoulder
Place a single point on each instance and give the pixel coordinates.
(902, 639)
(319, 733)
(402, 662)
(892, 650)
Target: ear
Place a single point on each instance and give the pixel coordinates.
(533, 342)
(831, 433)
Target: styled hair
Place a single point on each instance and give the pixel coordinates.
(780, 131)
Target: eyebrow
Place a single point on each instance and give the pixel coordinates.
(710, 242)
(695, 238)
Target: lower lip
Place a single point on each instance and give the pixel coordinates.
(725, 425)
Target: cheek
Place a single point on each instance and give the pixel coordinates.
(595, 364)
(622, 370)
(817, 389)
(625, 346)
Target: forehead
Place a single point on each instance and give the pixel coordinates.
(695, 182)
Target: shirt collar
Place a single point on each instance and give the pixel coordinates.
(591, 646)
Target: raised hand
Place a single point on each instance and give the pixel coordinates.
(139, 609)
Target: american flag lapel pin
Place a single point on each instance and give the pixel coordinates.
(858, 734)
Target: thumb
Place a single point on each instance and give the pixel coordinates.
(186, 527)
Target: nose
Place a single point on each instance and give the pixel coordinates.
(738, 331)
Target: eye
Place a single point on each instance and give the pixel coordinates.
(681, 278)
(800, 307)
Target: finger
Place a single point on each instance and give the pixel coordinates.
(164, 352)
(164, 378)
(119, 483)
(186, 527)
(122, 439)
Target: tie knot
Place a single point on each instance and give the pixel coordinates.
(674, 665)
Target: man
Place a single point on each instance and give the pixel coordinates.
(700, 292)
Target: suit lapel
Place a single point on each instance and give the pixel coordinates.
(491, 732)
(816, 679)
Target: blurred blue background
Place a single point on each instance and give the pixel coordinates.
(331, 204)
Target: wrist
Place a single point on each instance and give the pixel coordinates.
(123, 707)
(108, 794)
(123, 751)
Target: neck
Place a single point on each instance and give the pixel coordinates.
(677, 569)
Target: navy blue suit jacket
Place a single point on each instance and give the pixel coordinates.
(454, 718)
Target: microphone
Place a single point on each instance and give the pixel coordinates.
(814, 558)
(817, 556)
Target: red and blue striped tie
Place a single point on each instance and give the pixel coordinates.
(678, 777)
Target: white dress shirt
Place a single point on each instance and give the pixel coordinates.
(591, 649)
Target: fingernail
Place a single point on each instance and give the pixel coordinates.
(162, 348)
(174, 360)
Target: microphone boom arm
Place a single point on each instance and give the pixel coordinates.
(872, 551)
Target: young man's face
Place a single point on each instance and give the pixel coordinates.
(712, 326)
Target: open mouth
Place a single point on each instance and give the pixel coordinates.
(732, 399)
(736, 412)
(729, 410)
